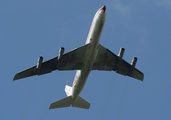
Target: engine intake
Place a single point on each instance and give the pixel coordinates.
(134, 61)
(61, 52)
(39, 63)
(121, 53)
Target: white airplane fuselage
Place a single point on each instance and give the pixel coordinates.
(91, 52)
(91, 56)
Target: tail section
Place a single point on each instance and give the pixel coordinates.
(66, 102)
(68, 90)
(81, 103)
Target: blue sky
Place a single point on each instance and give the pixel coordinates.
(32, 28)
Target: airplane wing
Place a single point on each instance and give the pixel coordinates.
(107, 60)
(72, 60)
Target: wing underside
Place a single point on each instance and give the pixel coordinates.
(73, 60)
(107, 60)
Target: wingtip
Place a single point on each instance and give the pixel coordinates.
(50, 106)
(142, 77)
(15, 77)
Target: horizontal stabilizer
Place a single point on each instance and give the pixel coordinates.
(66, 102)
(81, 103)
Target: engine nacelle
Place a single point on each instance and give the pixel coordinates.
(39, 63)
(121, 53)
(61, 52)
(134, 61)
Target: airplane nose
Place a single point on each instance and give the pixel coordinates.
(103, 8)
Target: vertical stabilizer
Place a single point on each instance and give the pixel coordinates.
(68, 90)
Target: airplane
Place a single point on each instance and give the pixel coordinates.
(91, 56)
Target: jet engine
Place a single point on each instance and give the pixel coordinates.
(134, 61)
(39, 63)
(121, 52)
(61, 52)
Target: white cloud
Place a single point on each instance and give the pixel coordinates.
(123, 9)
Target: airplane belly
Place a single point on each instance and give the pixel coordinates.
(82, 75)
(79, 82)
(91, 53)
